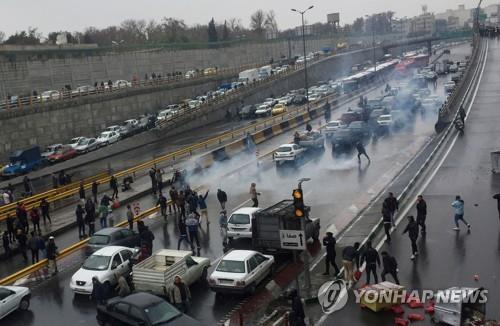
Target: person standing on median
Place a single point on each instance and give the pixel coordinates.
(90, 215)
(80, 221)
(162, 202)
(113, 184)
(35, 219)
(81, 192)
(458, 205)
(390, 266)
(95, 190)
(393, 205)
(33, 245)
(130, 217)
(152, 176)
(372, 259)
(173, 200)
(350, 257)
(103, 215)
(329, 242)
(45, 208)
(421, 213)
(412, 230)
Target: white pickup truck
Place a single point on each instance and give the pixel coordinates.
(156, 273)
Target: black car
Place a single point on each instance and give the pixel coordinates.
(247, 112)
(299, 100)
(113, 237)
(342, 138)
(141, 309)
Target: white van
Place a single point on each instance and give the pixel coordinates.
(239, 224)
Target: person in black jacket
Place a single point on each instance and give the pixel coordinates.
(412, 229)
(51, 255)
(361, 151)
(386, 218)
(350, 257)
(81, 191)
(390, 266)
(421, 212)
(372, 259)
(147, 238)
(393, 205)
(90, 215)
(45, 208)
(329, 242)
(113, 184)
(222, 198)
(95, 189)
(80, 220)
(297, 315)
(162, 201)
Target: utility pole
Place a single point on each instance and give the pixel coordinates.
(307, 274)
(304, 46)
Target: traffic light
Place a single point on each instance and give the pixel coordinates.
(298, 203)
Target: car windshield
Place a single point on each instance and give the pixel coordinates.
(382, 118)
(74, 140)
(99, 239)
(51, 149)
(333, 124)
(96, 263)
(355, 124)
(284, 149)
(161, 313)
(231, 266)
(239, 219)
(83, 141)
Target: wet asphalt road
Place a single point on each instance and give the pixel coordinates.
(337, 185)
(449, 258)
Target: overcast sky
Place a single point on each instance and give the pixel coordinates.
(75, 15)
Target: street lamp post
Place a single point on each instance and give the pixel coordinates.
(304, 46)
(307, 275)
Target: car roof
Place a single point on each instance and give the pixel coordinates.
(385, 116)
(246, 210)
(108, 231)
(109, 250)
(287, 145)
(239, 255)
(141, 299)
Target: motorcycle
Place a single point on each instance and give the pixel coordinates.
(459, 125)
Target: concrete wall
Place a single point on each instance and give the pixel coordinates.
(87, 116)
(22, 72)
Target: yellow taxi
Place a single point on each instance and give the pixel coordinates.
(278, 109)
(210, 71)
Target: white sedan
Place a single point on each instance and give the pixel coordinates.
(103, 264)
(13, 298)
(86, 145)
(240, 271)
(288, 152)
(108, 137)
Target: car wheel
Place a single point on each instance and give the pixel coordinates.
(24, 304)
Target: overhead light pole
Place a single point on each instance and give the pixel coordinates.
(304, 47)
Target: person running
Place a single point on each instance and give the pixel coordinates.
(393, 206)
(222, 198)
(45, 209)
(113, 184)
(192, 226)
(202, 204)
(183, 236)
(254, 195)
(458, 205)
(80, 221)
(412, 230)
(372, 259)
(350, 258)
(421, 213)
(329, 242)
(390, 266)
(361, 151)
(386, 218)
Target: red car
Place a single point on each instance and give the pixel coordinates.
(62, 154)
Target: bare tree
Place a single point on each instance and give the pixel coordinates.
(235, 25)
(270, 23)
(257, 22)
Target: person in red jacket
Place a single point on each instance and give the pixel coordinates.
(35, 219)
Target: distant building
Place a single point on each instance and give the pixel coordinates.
(401, 26)
(457, 18)
(492, 13)
(308, 30)
(423, 24)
